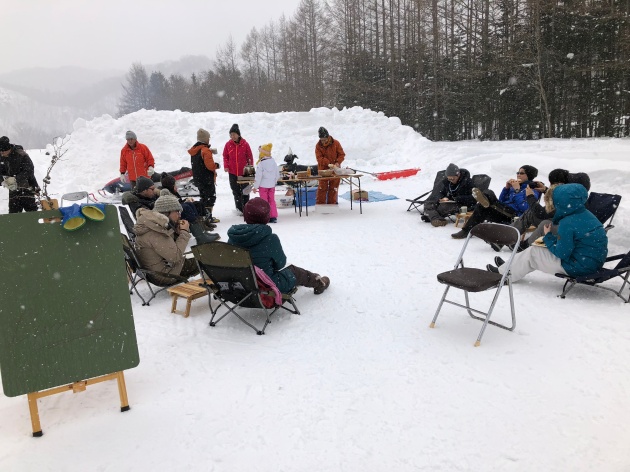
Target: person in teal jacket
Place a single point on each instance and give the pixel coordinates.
(266, 251)
(579, 248)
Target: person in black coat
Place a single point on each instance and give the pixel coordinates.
(19, 177)
(456, 192)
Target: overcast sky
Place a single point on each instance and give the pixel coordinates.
(106, 34)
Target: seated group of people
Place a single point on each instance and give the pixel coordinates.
(575, 241)
(165, 222)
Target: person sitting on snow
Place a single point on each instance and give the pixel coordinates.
(161, 240)
(266, 251)
(456, 192)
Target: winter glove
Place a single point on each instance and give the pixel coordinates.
(10, 183)
(150, 171)
(123, 179)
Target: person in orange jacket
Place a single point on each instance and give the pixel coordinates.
(135, 160)
(328, 151)
(236, 155)
(204, 171)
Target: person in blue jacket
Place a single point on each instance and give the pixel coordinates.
(512, 201)
(266, 251)
(579, 248)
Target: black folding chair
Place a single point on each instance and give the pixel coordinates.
(230, 278)
(128, 222)
(419, 201)
(474, 280)
(603, 206)
(136, 273)
(596, 279)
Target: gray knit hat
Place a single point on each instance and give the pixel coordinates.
(452, 170)
(130, 135)
(203, 136)
(167, 202)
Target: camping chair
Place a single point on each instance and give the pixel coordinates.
(621, 270)
(75, 197)
(418, 202)
(128, 223)
(603, 206)
(470, 279)
(230, 277)
(136, 273)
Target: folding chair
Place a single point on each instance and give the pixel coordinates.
(473, 280)
(603, 206)
(418, 202)
(75, 197)
(621, 270)
(136, 273)
(128, 223)
(230, 277)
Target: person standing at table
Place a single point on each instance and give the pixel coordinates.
(236, 155)
(136, 160)
(328, 152)
(267, 175)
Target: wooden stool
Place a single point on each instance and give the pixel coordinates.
(190, 291)
(462, 216)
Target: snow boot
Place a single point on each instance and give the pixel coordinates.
(201, 236)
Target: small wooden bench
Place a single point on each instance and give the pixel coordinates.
(190, 291)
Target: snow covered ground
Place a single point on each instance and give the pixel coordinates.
(358, 382)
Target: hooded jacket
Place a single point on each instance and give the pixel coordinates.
(266, 252)
(329, 153)
(202, 161)
(581, 243)
(236, 156)
(158, 247)
(517, 201)
(136, 161)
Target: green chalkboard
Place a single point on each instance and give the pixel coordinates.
(65, 311)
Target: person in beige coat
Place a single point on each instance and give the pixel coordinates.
(161, 240)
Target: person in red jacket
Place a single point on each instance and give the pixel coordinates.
(236, 155)
(328, 152)
(135, 160)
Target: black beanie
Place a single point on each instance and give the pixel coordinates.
(5, 145)
(234, 129)
(531, 172)
(323, 132)
(167, 181)
(143, 183)
(256, 211)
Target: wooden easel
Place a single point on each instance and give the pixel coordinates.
(76, 387)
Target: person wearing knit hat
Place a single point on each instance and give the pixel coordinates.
(135, 160)
(453, 192)
(204, 170)
(143, 195)
(18, 176)
(266, 250)
(512, 201)
(267, 175)
(161, 240)
(329, 154)
(236, 155)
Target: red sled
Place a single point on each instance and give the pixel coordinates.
(394, 174)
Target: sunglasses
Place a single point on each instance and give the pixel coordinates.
(521, 173)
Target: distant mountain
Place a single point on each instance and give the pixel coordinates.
(38, 104)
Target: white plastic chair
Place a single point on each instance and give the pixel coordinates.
(75, 197)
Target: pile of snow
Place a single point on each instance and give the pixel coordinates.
(358, 381)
